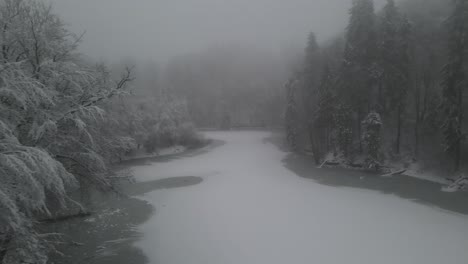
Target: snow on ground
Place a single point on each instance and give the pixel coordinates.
(250, 209)
(414, 170)
(460, 184)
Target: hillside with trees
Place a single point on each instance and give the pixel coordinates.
(63, 122)
(389, 92)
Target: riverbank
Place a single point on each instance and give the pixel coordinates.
(417, 190)
(244, 195)
(108, 234)
(251, 208)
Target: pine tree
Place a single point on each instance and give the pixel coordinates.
(311, 61)
(292, 115)
(358, 72)
(394, 45)
(454, 80)
(311, 76)
(326, 106)
(311, 50)
(388, 49)
(310, 94)
(326, 97)
(372, 125)
(344, 129)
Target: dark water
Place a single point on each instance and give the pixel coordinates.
(107, 236)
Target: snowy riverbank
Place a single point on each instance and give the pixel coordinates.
(109, 233)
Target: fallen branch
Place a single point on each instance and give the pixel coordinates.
(321, 165)
(394, 173)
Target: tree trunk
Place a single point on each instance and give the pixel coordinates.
(359, 130)
(416, 137)
(398, 136)
(460, 127)
(418, 120)
(313, 144)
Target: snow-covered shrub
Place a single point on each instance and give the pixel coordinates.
(168, 124)
(372, 127)
(188, 136)
(292, 115)
(343, 125)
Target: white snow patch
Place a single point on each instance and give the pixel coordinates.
(459, 185)
(90, 220)
(256, 211)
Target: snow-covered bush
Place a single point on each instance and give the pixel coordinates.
(372, 125)
(343, 125)
(167, 123)
(292, 115)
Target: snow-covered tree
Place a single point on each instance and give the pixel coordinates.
(29, 177)
(50, 103)
(311, 69)
(326, 99)
(359, 69)
(326, 109)
(372, 128)
(344, 128)
(394, 46)
(292, 114)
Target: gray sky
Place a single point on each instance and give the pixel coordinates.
(159, 29)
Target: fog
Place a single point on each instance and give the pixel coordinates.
(161, 29)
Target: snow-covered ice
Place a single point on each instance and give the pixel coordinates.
(250, 209)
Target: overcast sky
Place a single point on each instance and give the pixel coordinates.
(159, 29)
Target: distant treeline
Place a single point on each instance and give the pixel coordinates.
(229, 86)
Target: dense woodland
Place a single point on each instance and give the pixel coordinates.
(389, 91)
(63, 121)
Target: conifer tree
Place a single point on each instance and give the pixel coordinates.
(326, 106)
(394, 45)
(454, 80)
(372, 125)
(292, 114)
(310, 94)
(311, 67)
(344, 131)
(359, 63)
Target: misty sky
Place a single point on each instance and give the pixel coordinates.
(159, 29)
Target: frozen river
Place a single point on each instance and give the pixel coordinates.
(249, 208)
